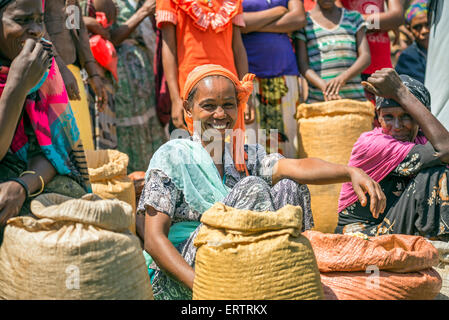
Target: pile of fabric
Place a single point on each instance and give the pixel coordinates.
(388, 267)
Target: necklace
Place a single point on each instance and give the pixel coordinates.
(209, 3)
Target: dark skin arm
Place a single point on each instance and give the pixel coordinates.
(94, 27)
(320, 172)
(12, 194)
(241, 64)
(254, 21)
(293, 20)
(89, 64)
(386, 83)
(388, 20)
(25, 72)
(311, 76)
(157, 225)
(122, 33)
(170, 64)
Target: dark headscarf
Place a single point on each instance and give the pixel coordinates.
(3, 3)
(414, 86)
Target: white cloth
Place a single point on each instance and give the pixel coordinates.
(437, 70)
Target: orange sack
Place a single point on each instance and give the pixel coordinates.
(388, 267)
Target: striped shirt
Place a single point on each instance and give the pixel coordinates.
(332, 51)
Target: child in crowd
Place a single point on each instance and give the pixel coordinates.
(412, 60)
(332, 51)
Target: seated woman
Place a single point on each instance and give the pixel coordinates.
(187, 176)
(408, 156)
(40, 146)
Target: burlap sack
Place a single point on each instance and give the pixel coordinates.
(247, 255)
(388, 267)
(442, 268)
(108, 176)
(328, 130)
(76, 249)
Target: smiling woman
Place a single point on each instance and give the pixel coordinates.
(186, 177)
(40, 148)
(408, 156)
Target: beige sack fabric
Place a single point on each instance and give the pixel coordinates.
(442, 268)
(76, 249)
(247, 255)
(108, 176)
(328, 130)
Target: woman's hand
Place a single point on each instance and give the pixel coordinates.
(322, 85)
(250, 112)
(100, 91)
(332, 89)
(149, 7)
(385, 83)
(177, 115)
(362, 183)
(12, 198)
(30, 65)
(70, 82)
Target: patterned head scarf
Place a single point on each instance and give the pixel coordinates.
(244, 89)
(415, 9)
(414, 86)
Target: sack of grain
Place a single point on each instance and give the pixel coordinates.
(387, 267)
(248, 255)
(108, 176)
(328, 130)
(75, 249)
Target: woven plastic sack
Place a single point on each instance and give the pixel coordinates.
(387, 267)
(247, 255)
(76, 249)
(420, 285)
(328, 130)
(442, 268)
(108, 176)
(104, 52)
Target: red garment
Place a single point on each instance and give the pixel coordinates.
(203, 33)
(379, 42)
(309, 4)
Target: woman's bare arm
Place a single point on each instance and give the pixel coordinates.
(320, 172)
(254, 21)
(293, 20)
(157, 226)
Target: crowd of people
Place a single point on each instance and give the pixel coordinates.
(220, 66)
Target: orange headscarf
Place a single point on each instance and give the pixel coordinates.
(244, 89)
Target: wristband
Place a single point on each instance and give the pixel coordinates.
(42, 183)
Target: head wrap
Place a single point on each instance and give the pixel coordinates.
(414, 86)
(3, 3)
(415, 9)
(244, 89)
